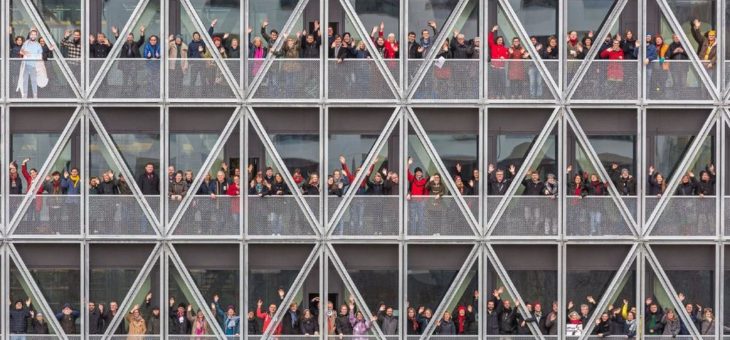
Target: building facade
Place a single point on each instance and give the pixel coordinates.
(585, 167)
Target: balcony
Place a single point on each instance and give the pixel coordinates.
(674, 80)
(48, 215)
(209, 216)
(51, 83)
(198, 78)
(279, 215)
(685, 216)
(596, 216)
(526, 216)
(448, 79)
(607, 80)
(367, 215)
(287, 78)
(360, 79)
(437, 216)
(120, 215)
(518, 79)
(128, 78)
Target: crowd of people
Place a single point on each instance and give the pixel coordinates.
(503, 316)
(510, 75)
(424, 192)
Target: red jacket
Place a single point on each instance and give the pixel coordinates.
(28, 179)
(391, 50)
(351, 176)
(267, 321)
(517, 68)
(615, 70)
(418, 186)
(497, 52)
(234, 190)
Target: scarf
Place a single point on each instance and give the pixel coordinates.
(75, 179)
(597, 187)
(577, 190)
(414, 323)
(56, 187)
(460, 320)
(200, 327)
(258, 53)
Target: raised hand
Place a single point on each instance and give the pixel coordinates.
(212, 23)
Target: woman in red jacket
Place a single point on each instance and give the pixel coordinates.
(615, 70)
(498, 53)
(234, 189)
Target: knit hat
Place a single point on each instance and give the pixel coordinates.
(66, 305)
(178, 36)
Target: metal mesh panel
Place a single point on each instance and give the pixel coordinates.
(359, 78)
(367, 215)
(450, 79)
(686, 216)
(48, 215)
(209, 216)
(529, 216)
(674, 80)
(197, 78)
(128, 78)
(278, 215)
(594, 216)
(288, 78)
(118, 215)
(727, 215)
(609, 80)
(126, 337)
(473, 203)
(436, 216)
(56, 87)
(516, 79)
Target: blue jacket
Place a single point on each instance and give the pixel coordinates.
(150, 51)
(67, 186)
(651, 52)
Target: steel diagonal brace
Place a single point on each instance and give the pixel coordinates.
(207, 165)
(40, 300)
(350, 286)
(433, 51)
(270, 57)
(673, 297)
(116, 48)
(152, 260)
(217, 58)
(596, 163)
(536, 59)
(45, 169)
(529, 159)
(586, 63)
(279, 163)
(613, 288)
(58, 58)
(362, 175)
(511, 290)
(451, 292)
(295, 287)
(119, 163)
(677, 28)
(379, 62)
(682, 168)
(448, 180)
(197, 296)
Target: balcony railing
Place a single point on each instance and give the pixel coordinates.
(279, 215)
(47, 75)
(367, 215)
(198, 78)
(511, 79)
(684, 216)
(432, 216)
(120, 215)
(596, 216)
(48, 215)
(607, 80)
(360, 79)
(674, 80)
(448, 79)
(287, 78)
(526, 216)
(209, 216)
(128, 78)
